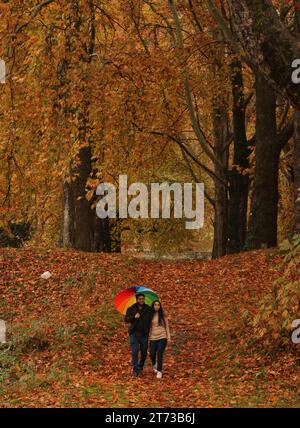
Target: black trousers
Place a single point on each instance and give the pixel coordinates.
(157, 348)
(139, 344)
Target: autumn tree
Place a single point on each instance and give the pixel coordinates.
(271, 47)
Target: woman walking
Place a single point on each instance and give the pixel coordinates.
(159, 337)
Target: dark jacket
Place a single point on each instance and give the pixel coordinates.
(143, 322)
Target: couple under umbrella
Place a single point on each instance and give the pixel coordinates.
(148, 326)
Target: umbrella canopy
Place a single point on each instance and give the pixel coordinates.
(127, 297)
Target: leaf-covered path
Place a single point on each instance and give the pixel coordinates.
(69, 347)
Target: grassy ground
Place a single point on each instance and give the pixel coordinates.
(68, 347)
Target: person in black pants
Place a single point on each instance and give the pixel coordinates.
(139, 318)
(159, 337)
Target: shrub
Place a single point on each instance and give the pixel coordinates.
(281, 307)
(15, 234)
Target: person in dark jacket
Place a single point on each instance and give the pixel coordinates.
(139, 318)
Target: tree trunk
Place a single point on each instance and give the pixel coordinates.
(220, 125)
(81, 227)
(221, 153)
(297, 171)
(238, 179)
(262, 230)
(268, 43)
(78, 215)
(297, 140)
(271, 48)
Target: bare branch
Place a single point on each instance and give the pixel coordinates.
(34, 13)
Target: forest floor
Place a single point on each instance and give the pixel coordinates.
(68, 347)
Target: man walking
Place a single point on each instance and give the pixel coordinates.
(139, 317)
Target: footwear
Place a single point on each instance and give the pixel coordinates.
(135, 374)
(154, 368)
(159, 375)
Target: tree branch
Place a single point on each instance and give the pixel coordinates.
(268, 43)
(196, 179)
(34, 13)
(188, 94)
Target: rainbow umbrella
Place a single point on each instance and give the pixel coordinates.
(127, 297)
